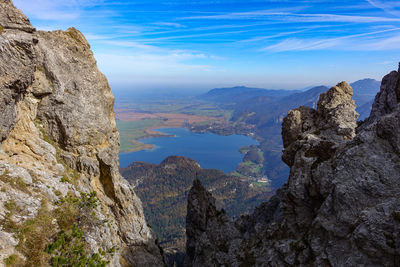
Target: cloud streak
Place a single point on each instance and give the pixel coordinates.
(172, 39)
(55, 9)
(389, 6)
(350, 42)
(170, 24)
(293, 17)
(281, 34)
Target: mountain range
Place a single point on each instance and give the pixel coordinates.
(238, 93)
(265, 110)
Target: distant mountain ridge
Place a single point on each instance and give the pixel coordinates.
(281, 100)
(364, 94)
(265, 109)
(366, 86)
(240, 93)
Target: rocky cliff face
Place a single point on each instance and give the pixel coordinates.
(340, 206)
(59, 154)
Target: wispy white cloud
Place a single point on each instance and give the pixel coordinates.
(387, 6)
(391, 43)
(55, 9)
(295, 17)
(170, 24)
(221, 27)
(177, 37)
(246, 15)
(135, 65)
(272, 36)
(296, 44)
(130, 29)
(158, 52)
(184, 40)
(131, 44)
(149, 31)
(339, 18)
(388, 62)
(146, 68)
(99, 37)
(236, 15)
(349, 42)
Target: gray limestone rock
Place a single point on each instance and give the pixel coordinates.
(17, 66)
(58, 136)
(13, 18)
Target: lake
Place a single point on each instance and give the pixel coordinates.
(210, 150)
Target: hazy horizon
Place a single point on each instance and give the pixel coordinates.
(200, 45)
(126, 92)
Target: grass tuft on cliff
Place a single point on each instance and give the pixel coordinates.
(55, 237)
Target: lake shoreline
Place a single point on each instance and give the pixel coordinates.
(209, 149)
(218, 127)
(139, 146)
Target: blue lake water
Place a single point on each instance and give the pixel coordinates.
(210, 150)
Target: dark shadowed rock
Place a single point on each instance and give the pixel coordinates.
(203, 218)
(16, 62)
(389, 96)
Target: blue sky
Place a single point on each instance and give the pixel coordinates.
(201, 44)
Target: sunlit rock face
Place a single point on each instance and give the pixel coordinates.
(59, 139)
(340, 206)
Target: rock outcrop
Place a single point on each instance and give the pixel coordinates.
(340, 206)
(59, 145)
